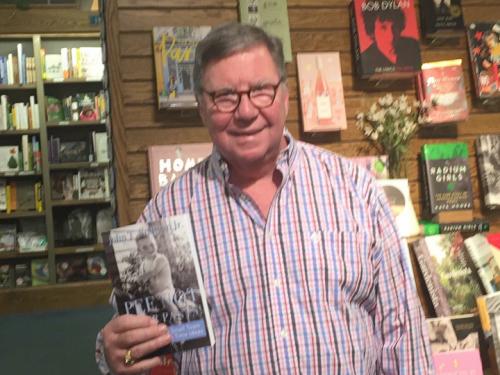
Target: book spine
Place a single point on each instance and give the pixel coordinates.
(485, 184)
(471, 226)
(355, 41)
(425, 187)
(38, 196)
(431, 279)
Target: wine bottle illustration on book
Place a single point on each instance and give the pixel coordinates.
(323, 104)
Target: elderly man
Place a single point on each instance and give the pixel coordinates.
(300, 257)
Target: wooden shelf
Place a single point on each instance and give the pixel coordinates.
(19, 132)
(79, 202)
(63, 124)
(72, 81)
(17, 255)
(20, 174)
(79, 249)
(77, 165)
(20, 214)
(27, 86)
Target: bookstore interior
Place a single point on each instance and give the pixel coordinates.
(98, 114)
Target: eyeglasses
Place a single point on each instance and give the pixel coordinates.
(261, 97)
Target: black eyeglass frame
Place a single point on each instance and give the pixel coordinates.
(212, 95)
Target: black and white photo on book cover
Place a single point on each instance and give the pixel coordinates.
(155, 271)
(488, 157)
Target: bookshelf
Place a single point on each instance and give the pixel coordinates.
(62, 145)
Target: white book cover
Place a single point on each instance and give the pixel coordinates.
(91, 63)
(482, 254)
(9, 158)
(3, 195)
(93, 184)
(10, 69)
(53, 67)
(397, 192)
(155, 271)
(101, 147)
(20, 63)
(4, 117)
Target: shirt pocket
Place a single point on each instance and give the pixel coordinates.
(337, 267)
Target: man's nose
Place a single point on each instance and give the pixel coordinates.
(246, 109)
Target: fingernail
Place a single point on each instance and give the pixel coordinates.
(162, 327)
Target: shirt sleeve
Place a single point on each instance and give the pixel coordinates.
(398, 317)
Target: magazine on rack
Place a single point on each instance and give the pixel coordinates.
(155, 271)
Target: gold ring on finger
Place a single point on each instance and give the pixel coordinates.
(128, 360)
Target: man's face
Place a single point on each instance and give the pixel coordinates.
(384, 35)
(146, 247)
(249, 135)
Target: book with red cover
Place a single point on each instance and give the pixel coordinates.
(166, 162)
(442, 90)
(484, 50)
(385, 38)
(321, 92)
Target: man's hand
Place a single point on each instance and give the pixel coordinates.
(139, 334)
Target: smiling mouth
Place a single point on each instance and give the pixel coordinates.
(246, 134)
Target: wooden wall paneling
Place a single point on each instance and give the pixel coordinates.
(316, 25)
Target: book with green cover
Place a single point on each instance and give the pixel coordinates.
(447, 180)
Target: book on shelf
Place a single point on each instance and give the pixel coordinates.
(474, 226)
(376, 165)
(488, 163)
(321, 92)
(53, 67)
(96, 267)
(25, 195)
(4, 112)
(11, 195)
(166, 162)
(90, 65)
(486, 261)
(54, 109)
(394, 53)
(73, 151)
(104, 222)
(174, 48)
(149, 278)
(71, 268)
(446, 181)
(93, 184)
(455, 333)
(484, 51)
(450, 282)
(441, 89)
(3, 195)
(31, 241)
(441, 18)
(64, 185)
(22, 274)
(40, 271)
(6, 276)
(9, 158)
(75, 227)
(39, 206)
(397, 192)
(100, 143)
(8, 237)
(489, 312)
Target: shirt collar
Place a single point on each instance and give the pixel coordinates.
(283, 164)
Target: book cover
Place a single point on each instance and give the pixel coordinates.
(174, 48)
(321, 92)
(3, 195)
(96, 267)
(441, 18)
(87, 110)
(488, 163)
(272, 16)
(9, 159)
(64, 185)
(397, 192)
(73, 151)
(484, 50)
(25, 195)
(6, 276)
(387, 38)
(91, 65)
(40, 272)
(477, 225)
(53, 67)
(447, 180)
(74, 228)
(93, 184)
(166, 162)
(8, 239)
(458, 362)
(442, 90)
(485, 264)
(155, 270)
(452, 333)
(450, 282)
(492, 302)
(71, 268)
(101, 147)
(22, 274)
(377, 165)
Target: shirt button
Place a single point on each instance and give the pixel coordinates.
(284, 333)
(315, 237)
(277, 283)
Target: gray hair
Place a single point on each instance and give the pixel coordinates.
(230, 38)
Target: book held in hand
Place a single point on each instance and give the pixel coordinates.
(155, 271)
